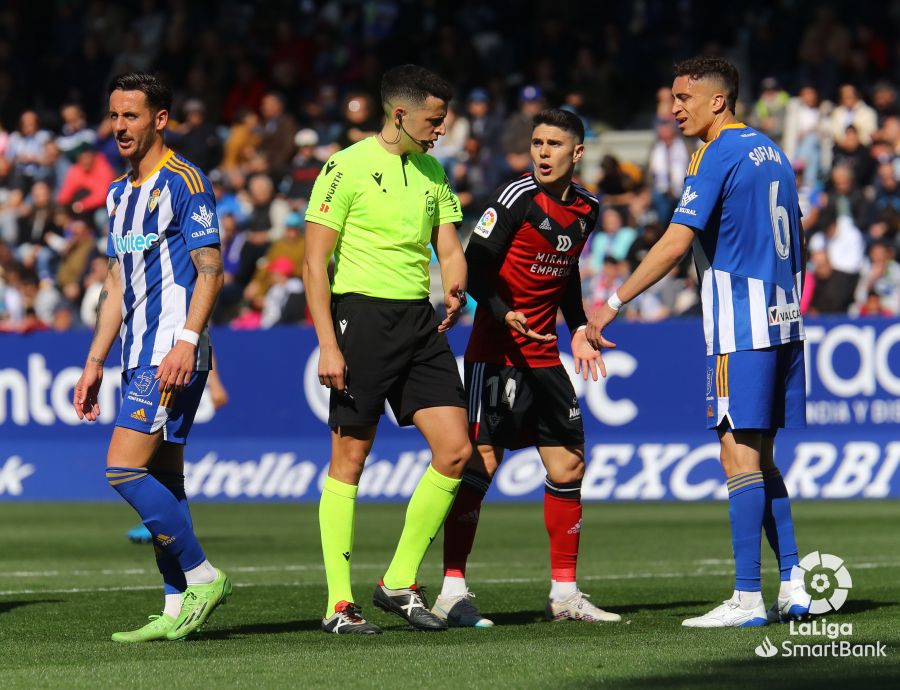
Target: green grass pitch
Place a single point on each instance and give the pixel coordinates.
(69, 578)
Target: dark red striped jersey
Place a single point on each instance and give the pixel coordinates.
(523, 256)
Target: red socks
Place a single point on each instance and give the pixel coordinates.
(562, 516)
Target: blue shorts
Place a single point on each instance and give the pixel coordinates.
(145, 410)
(757, 389)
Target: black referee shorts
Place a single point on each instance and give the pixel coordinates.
(515, 407)
(393, 352)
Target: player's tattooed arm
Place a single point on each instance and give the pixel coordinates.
(109, 315)
(210, 278)
(208, 262)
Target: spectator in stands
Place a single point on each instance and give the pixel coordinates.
(615, 185)
(27, 150)
(11, 197)
(87, 182)
(668, 163)
(880, 276)
(474, 177)
(36, 217)
(360, 119)
(305, 167)
(290, 247)
(449, 148)
(850, 153)
(485, 126)
(846, 198)
(75, 132)
(770, 110)
(285, 300)
(599, 286)
(75, 258)
(614, 241)
(884, 100)
(804, 133)
(516, 136)
(837, 254)
(91, 287)
(242, 145)
(886, 204)
(195, 138)
(852, 110)
(278, 130)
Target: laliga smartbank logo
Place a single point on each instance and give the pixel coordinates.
(827, 580)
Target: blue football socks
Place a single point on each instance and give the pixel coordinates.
(746, 504)
(173, 576)
(779, 524)
(161, 512)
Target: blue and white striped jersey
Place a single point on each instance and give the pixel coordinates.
(740, 195)
(153, 227)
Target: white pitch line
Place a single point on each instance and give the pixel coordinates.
(491, 581)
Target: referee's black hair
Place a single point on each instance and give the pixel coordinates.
(717, 68)
(564, 119)
(412, 84)
(158, 93)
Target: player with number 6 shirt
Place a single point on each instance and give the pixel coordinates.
(739, 210)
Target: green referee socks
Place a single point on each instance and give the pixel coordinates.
(425, 514)
(337, 508)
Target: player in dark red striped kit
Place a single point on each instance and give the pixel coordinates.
(523, 268)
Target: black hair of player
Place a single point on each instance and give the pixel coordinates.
(412, 84)
(158, 92)
(716, 68)
(565, 120)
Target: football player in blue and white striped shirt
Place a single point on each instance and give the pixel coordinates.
(165, 273)
(739, 209)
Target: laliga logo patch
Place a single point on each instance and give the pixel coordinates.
(484, 226)
(826, 578)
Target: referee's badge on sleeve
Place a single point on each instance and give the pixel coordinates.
(486, 224)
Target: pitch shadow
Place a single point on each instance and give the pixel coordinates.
(275, 628)
(7, 606)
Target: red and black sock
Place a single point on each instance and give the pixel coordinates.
(562, 516)
(459, 529)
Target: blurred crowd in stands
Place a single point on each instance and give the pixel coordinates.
(264, 93)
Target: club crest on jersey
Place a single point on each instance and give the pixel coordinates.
(486, 224)
(143, 382)
(204, 217)
(153, 201)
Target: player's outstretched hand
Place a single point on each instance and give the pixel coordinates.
(517, 321)
(587, 359)
(86, 389)
(332, 368)
(455, 301)
(599, 320)
(175, 370)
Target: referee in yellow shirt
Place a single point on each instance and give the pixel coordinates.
(376, 206)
